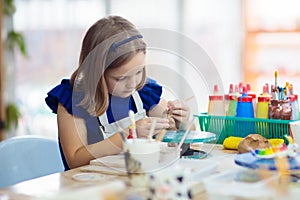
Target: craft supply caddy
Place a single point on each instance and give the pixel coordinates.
(225, 126)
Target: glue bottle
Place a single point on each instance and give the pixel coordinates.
(294, 103)
(253, 95)
(262, 107)
(226, 96)
(216, 105)
(233, 97)
(245, 107)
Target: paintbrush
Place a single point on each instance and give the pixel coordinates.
(276, 76)
(132, 127)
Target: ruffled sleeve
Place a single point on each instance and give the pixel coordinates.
(150, 94)
(62, 93)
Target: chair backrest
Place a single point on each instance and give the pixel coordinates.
(27, 157)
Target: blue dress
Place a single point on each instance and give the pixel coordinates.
(118, 107)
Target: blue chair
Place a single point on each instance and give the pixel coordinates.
(27, 157)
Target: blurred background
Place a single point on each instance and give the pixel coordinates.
(246, 39)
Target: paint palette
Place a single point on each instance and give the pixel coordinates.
(248, 160)
(266, 158)
(271, 152)
(280, 151)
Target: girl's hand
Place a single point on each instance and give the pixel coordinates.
(143, 125)
(180, 112)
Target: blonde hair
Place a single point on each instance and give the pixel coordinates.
(99, 52)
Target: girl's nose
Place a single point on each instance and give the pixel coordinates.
(131, 82)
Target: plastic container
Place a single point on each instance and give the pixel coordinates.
(232, 105)
(295, 107)
(241, 184)
(225, 126)
(262, 109)
(227, 98)
(245, 107)
(216, 103)
(252, 95)
(280, 109)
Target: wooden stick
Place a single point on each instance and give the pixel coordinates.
(160, 135)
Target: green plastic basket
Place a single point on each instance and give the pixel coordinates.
(225, 126)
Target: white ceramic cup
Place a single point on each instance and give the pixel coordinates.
(146, 152)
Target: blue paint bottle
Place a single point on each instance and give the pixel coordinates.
(244, 109)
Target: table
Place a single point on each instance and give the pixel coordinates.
(53, 184)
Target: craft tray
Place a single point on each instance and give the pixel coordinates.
(225, 126)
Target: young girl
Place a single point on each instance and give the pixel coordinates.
(92, 106)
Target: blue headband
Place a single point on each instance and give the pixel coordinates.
(115, 45)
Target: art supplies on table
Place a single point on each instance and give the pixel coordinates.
(252, 95)
(265, 158)
(282, 102)
(232, 98)
(132, 127)
(262, 109)
(251, 161)
(275, 111)
(150, 158)
(244, 106)
(280, 109)
(216, 104)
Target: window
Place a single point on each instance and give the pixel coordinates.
(54, 30)
(272, 42)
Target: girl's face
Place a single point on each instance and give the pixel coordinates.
(123, 80)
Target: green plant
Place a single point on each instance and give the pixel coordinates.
(14, 38)
(9, 7)
(12, 116)
(17, 39)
